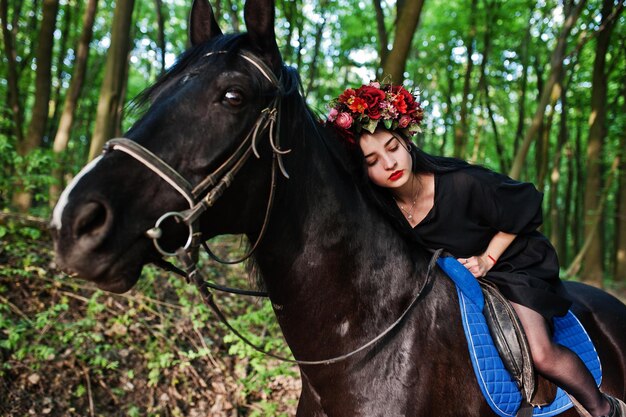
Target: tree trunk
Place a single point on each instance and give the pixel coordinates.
(602, 197)
(565, 222)
(43, 86)
(13, 99)
(620, 221)
(577, 224)
(55, 96)
(107, 117)
(288, 11)
(491, 10)
(233, 16)
(62, 136)
(521, 105)
(161, 32)
(449, 114)
(460, 133)
(593, 262)
(543, 149)
(549, 90)
(301, 37)
(383, 38)
(556, 216)
(408, 17)
(319, 31)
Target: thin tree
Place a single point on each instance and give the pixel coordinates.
(525, 63)
(61, 57)
(550, 89)
(409, 13)
(13, 99)
(383, 38)
(43, 86)
(160, 31)
(66, 122)
(593, 260)
(577, 263)
(620, 221)
(115, 72)
(319, 31)
(460, 132)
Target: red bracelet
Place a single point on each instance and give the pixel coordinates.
(491, 257)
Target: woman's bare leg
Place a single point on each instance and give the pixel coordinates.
(559, 364)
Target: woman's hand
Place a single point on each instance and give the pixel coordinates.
(477, 265)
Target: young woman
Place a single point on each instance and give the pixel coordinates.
(485, 219)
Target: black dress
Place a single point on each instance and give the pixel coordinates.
(470, 206)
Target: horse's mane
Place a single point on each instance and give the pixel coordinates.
(298, 122)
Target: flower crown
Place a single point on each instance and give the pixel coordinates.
(364, 108)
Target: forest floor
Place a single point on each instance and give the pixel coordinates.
(67, 349)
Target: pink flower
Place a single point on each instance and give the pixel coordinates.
(333, 114)
(404, 121)
(344, 120)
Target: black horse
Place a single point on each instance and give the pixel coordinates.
(336, 271)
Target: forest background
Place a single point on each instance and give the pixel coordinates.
(532, 88)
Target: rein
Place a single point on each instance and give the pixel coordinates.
(204, 195)
(194, 276)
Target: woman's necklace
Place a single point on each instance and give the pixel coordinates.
(409, 212)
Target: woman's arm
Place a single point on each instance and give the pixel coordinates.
(480, 265)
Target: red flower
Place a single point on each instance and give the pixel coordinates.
(357, 105)
(347, 95)
(399, 103)
(408, 97)
(372, 96)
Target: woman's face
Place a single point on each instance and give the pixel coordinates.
(387, 159)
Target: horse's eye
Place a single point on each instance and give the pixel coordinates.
(186, 78)
(233, 97)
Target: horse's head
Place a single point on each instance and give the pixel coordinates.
(211, 111)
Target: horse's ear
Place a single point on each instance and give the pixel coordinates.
(202, 24)
(260, 16)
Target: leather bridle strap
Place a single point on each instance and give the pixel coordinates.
(154, 163)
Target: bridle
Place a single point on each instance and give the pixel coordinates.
(204, 195)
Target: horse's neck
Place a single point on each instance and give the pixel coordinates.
(332, 264)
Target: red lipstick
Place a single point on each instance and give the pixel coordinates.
(396, 175)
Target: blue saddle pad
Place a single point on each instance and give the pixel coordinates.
(497, 385)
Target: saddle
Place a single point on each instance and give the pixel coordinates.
(510, 341)
(499, 350)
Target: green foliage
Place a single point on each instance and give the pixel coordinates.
(259, 325)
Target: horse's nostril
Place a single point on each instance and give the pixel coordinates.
(91, 221)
